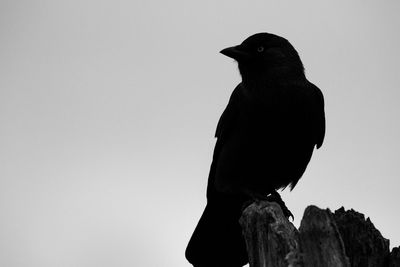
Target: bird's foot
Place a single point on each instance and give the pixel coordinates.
(272, 197)
(252, 196)
(276, 197)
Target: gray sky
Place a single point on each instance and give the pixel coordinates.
(108, 110)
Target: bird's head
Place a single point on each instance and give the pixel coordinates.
(266, 56)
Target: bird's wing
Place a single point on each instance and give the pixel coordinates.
(225, 125)
(229, 116)
(319, 117)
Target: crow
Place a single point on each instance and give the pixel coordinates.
(265, 139)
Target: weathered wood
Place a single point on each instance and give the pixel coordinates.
(272, 241)
(324, 239)
(394, 258)
(320, 240)
(365, 246)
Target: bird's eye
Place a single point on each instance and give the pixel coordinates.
(260, 49)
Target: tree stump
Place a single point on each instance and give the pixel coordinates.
(269, 236)
(324, 239)
(321, 243)
(365, 246)
(394, 258)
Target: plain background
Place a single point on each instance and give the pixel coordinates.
(108, 110)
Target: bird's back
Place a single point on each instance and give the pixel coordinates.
(265, 142)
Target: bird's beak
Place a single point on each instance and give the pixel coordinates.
(236, 52)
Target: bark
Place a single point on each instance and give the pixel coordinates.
(271, 239)
(321, 242)
(324, 239)
(365, 246)
(394, 258)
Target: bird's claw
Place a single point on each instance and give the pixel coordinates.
(253, 197)
(288, 214)
(273, 197)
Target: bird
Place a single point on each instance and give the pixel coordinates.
(266, 136)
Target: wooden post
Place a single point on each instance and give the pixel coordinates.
(324, 239)
(365, 245)
(321, 242)
(270, 238)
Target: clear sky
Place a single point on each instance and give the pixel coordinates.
(108, 111)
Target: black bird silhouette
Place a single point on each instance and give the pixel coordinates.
(265, 139)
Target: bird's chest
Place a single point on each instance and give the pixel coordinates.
(266, 116)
